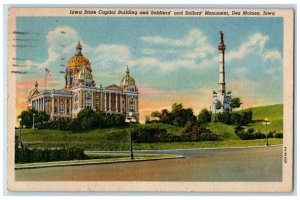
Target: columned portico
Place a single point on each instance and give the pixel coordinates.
(109, 101)
(52, 106)
(101, 102)
(105, 101)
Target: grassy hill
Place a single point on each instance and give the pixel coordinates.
(274, 113)
(118, 138)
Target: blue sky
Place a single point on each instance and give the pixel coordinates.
(172, 59)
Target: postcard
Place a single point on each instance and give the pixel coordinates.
(150, 99)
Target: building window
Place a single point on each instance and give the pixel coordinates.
(131, 109)
(131, 104)
(131, 101)
(123, 105)
(76, 106)
(61, 108)
(97, 103)
(132, 89)
(88, 99)
(68, 107)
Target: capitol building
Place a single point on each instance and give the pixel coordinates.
(81, 92)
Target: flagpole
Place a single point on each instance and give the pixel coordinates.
(45, 78)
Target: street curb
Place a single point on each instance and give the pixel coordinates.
(208, 148)
(93, 163)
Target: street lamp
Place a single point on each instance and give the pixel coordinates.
(20, 137)
(266, 122)
(33, 120)
(130, 119)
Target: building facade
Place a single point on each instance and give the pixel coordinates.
(221, 96)
(80, 92)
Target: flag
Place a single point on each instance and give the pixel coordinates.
(48, 72)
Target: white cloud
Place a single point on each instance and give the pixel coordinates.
(194, 45)
(106, 53)
(271, 55)
(195, 36)
(153, 52)
(61, 41)
(192, 51)
(240, 72)
(256, 44)
(174, 64)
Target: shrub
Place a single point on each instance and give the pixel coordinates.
(278, 135)
(48, 155)
(235, 118)
(151, 134)
(27, 117)
(204, 116)
(58, 124)
(251, 134)
(198, 134)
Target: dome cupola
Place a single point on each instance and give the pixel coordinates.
(78, 48)
(128, 82)
(78, 60)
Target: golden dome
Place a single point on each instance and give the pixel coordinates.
(85, 73)
(78, 60)
(127, 80)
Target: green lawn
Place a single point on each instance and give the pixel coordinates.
(223, 130)
(118, 138)
(166, 145)
(274, 113)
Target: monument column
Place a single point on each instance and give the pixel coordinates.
(222, 48)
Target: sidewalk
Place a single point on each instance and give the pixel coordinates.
(89, 162)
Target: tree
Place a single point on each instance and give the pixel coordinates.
(178, 116)
(42, 117)
(204, 116)
(27, 117)
(186, 115)
(156, 114)
(166, 116)
(235, 103)
(87, 119)
(147, 119)
(176, 108)
(101, 119)
(188, 127)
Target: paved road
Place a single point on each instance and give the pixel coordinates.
(247, 164)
